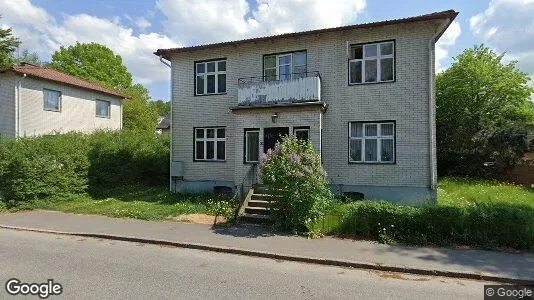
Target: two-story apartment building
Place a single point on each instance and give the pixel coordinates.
(36, 100)
(363, 95)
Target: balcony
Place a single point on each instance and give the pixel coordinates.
(302, 87)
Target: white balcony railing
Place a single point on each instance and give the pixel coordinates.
(304, 87)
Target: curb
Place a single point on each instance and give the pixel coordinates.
(287, 257)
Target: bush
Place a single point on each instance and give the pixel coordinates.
(480, 225)
(43, 167)
(294, 175)
(128, 158)
(73, 163)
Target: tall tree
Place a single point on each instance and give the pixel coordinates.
(29, 57)
(162, 107)
(93, 62)
(483, 113)
(8, 44)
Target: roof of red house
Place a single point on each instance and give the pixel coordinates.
(446, 14)
(57, 76)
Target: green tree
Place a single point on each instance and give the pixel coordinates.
(483, 113)
(29, 57)
(138, 113)
(93, 62)
(162, 107)
(8, 44)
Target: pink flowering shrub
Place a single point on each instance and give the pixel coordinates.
(294, 175)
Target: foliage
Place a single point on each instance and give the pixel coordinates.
(66, 164)
(162, 107)
(126, 158)
(43, 167)
(93, 62)
(479, 214)
(294, 175)
(483, 114)
(29, 57)
(139, 202)
(139, 114)
(8, 45)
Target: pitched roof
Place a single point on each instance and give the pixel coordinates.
(57, 76)
(449, 15)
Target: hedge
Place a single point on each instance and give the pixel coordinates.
(481, 225)
(74, 163)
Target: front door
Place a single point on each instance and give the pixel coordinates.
(273, 135)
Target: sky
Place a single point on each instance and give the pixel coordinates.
(134, 29)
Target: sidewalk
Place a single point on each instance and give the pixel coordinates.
(257, 241)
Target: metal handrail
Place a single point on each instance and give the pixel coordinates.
(243, 80)
(241, 190)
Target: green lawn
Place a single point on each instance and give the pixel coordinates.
(456, 192)
(146, 203)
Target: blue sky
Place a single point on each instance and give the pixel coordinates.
(135, 28)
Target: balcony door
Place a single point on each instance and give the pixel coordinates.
(285, 66)
(273, 135)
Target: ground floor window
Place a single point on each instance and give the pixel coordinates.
(372, 142)
(302, 133)
(210, 144)
(252, 145)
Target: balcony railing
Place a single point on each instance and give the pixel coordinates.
(295, 88)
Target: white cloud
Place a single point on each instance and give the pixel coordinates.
(204, 21)
(508, 26)
(447, 40)
(142, 23)
(40, 31)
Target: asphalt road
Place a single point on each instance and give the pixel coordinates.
(104, 269)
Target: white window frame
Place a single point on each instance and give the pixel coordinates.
(247, 131)
(379, 137)
(378, 59)
(307, 129)
(205, 74)
(108, 115)
(291, 64)
(60, 100)
(205, 140)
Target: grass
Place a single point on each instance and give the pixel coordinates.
(458, 191)
(139, 202)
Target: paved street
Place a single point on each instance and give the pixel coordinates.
(93, 268)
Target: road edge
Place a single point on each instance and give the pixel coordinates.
(287, 257)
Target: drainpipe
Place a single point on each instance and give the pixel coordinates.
(170, 128)
(431, 101)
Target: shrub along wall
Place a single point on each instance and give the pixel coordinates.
(481, 225)
(73, 163)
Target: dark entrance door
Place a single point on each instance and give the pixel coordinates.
(273, 135)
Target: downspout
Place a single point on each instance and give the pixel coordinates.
(431, 102)
(170, 126)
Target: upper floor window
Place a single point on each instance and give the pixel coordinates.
(103, 108)
(52, 100)
(372, 142)
(284, 66)
(371, 63)
(210, 77)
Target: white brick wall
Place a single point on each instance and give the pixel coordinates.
(7, 104)
(405, 100)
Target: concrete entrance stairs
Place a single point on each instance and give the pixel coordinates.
(257, 206)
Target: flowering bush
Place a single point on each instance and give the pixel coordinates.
(293, 174)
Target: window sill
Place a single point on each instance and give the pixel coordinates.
(52, 110)
(217, 94)
(209, 160)
(371, 163)
(103, 117)
(367, 83)
(251, 163)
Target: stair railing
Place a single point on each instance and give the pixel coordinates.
(252, 175)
